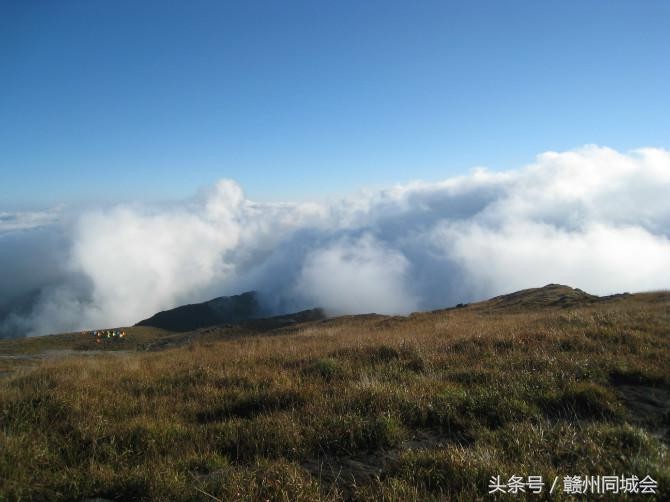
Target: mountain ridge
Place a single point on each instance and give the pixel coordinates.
(219, 310)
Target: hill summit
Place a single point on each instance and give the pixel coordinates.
(221, 310)
(551, 295)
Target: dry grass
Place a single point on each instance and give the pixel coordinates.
(418, 408)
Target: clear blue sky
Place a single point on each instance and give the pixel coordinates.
(110, 100)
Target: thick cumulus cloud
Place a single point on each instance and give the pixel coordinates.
(354, 276)
(592, 218)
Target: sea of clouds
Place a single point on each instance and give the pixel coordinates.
(592, 218)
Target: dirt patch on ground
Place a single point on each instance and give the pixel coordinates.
(648, 405)
(358, 470)
(345, 472)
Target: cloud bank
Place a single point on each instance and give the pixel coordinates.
(593, 218)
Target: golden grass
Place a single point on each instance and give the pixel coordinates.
(418, 408)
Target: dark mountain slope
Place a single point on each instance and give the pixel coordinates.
(222, 310)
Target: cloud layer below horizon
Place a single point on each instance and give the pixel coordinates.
(593, 218)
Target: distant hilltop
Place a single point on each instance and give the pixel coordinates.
(549, 296)
(221, 310)
(246, 307)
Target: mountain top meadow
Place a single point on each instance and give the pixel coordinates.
(549, 382)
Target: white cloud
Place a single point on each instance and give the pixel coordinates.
(26, 220)
(601, 259)
(141, 262)
(593, 218)
(355, 276)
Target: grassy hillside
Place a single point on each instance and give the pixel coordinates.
(549, 383)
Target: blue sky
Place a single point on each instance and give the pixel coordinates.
(106, 101)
